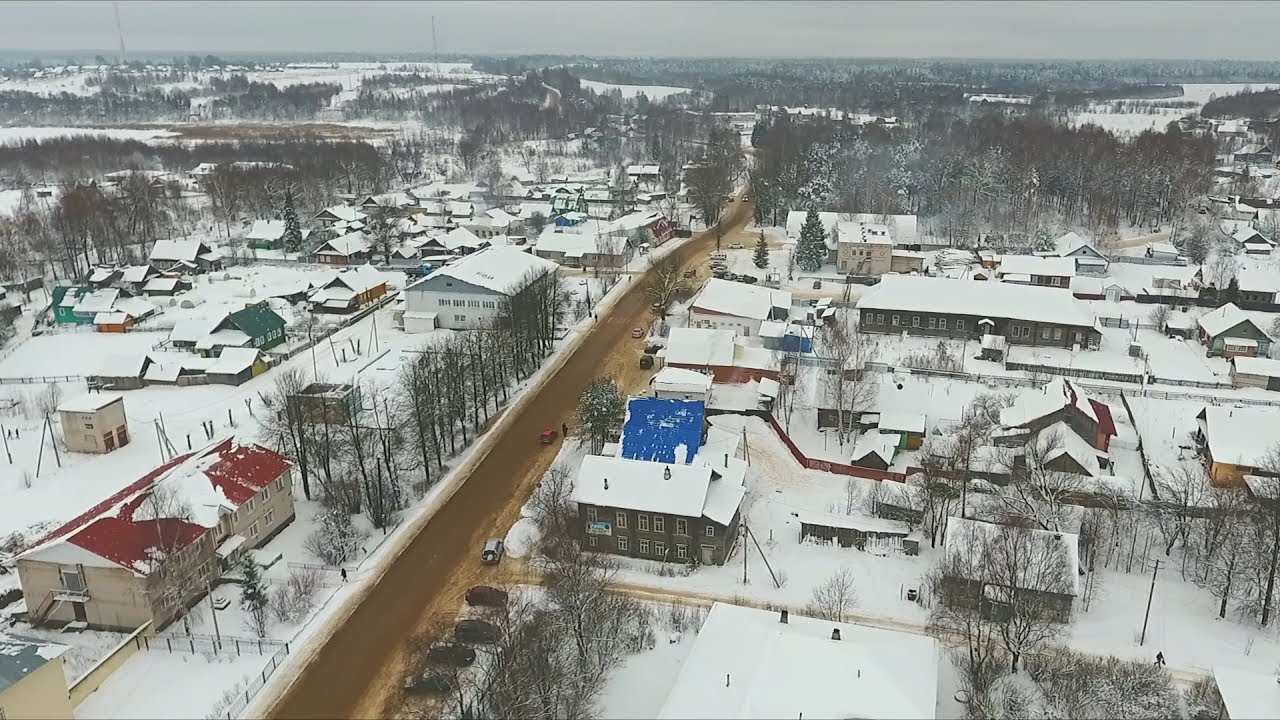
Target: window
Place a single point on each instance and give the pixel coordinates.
(248, 506)
(1079, 339)
(660, 549)
(659, 523)
(266, 492)
(682, 552)
(1057, 333)
(1044, 333)
(460, 318)
(442, 301)
(682, 527)
(622, 520)
(879, 318)
(592, 514)
(960, 325)
(933, 323)
(88, 426)
(622, 543)
(72, 581)
(915, 321)
(269, 517)
(710, 531)
(895, 320)
(644, 547)
(642, 521)
(253, 530)
(592, 540)
(942, 323)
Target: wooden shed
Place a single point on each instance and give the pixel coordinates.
(864, 533)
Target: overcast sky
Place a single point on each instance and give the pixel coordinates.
(1242, 30)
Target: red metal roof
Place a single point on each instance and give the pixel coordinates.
(110, 531)
(1106, 423)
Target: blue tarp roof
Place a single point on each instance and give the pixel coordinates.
(656, 427)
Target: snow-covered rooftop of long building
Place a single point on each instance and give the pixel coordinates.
(1247, 695)
(672, 489)
(1240, 436)
(740, 299)
(500, 269)
(746, 663)
(978, 298)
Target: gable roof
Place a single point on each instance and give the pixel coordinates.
(345, 245)
(1239, 436)
(979, 298)
(1036, 265)
(266, 230)
(234, 360)
(662, 429)
(740, 299)
(1223, 319)
(124, 529)
(881, 445)
(795, 221)
(1057, 394)
(747, 664)
(1070, 444)
(676, 489)
(500, 269)
(178, 250)
(700, 347)
(1247, 695)
(257, 320)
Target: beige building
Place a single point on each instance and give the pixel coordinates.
(94, 423)
(863, 248)
(32, 682)
(150, 551)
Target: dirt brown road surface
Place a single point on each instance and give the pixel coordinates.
(359, 669)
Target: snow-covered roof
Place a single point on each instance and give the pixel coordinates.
(1054, 396)
(967, 539)
(1240, 436)
(700, 347)
(902, 421)
(573, 241)
(629, 222)
(121, 365)
(135, 273)
(1252, 279)
(643, 170)
(1245, 234)
(345, 245)
(343, 213)
(500, 217)
(97, 301)
(1059, 439)
(882, 445)
(192, 329)
(974, 297)
(228, 338)
(848, 231)
(1265, 367)
(89, 402)
(1247, 695)
(161, 284)
(1071, 242)
(680, 380)
(746, 663)
(1221, 320)
(862, 523)
(795, 221)
(20, 657)
(177, 250)
(266, 230)
(1036, 265)
(673, 489)
(725, 297)
(234, 360)
(136, 526)
(500, 269)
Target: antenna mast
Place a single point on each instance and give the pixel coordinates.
(435, 50)
(124, 56)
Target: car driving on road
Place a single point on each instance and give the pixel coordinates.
(492, 552)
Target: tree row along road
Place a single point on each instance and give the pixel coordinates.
(359, 669)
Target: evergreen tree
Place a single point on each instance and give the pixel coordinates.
(253, 596)
(811, 251)
(761, 256)
(758, 133)
(600, 412)
(292, 228)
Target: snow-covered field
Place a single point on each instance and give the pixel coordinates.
(1135, 123)
(16, 135)
(653, 92)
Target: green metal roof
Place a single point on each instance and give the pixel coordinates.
(256, 320)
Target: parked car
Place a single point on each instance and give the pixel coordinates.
(427, 683)
(731, 276)
(637, 332)
(864, 279)
(492, 552)
(719, 274)
(735, 246)
(486, 596)
(690, 273)
(652, 349)
(447, 653)
(748, 279)
(475, 631)
(646, 362)
(817, 284)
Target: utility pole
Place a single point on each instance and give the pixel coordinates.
(124, 57)
(213, 612)
(1150, 595)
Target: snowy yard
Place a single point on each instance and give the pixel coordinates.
(158, 684)
(653, 92)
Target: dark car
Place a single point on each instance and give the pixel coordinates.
(428, 683)
(485, 595)
(719, 274)
(447, 653)
(864, 279)
(475, 631)
(748, 279)
(652, 349)
(646, 362)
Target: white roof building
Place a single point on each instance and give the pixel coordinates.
(1239, 436)
(754, 302)
(345, 246)
(1221, 320)
(500, 269)
(680, 380)
(795, 221)
(700, 347)
(694, 491)
(967, 539)
(972, 297)
(1247, 695)
(747, 663)
(1029, 265)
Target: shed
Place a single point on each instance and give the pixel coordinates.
(858, 532)
(1255, 372)
(235, 366)
(909, 425)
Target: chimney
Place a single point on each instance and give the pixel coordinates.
(782, 617)
(835, 633)
(606, 483)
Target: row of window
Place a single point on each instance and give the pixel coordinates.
(645, 522)
(656, 548)
(448, 302)
(935, 323)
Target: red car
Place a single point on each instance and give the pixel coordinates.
(548, 436)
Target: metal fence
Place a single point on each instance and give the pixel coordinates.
(259, 681)
(202, 644)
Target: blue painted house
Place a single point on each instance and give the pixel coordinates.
(663, 429)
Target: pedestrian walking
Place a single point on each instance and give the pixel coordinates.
(564, 429)
(1160, 658)
(343, 573)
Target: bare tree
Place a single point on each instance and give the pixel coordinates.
(665, 283)
(850, 389)
(1159, 316)
(1181, 493)
(1223, 536)
(551, 507)
(1038, 490)
(835, 597)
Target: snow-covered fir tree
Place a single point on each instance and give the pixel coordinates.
(292, 228)
(811, 251)
(761, 255)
